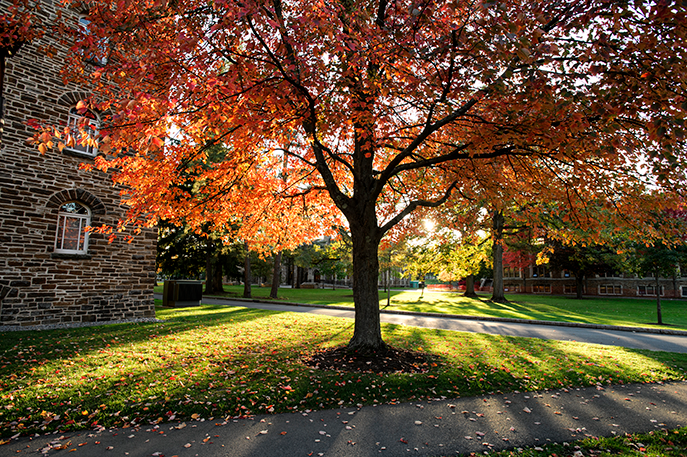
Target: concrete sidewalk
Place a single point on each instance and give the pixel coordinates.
(441, 427)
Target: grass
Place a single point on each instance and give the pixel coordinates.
(213, 362)
(668, 443)
(631, 312)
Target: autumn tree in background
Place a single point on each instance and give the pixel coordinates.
(381, 108)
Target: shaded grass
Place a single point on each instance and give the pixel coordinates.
(669, 443)
(214, 362)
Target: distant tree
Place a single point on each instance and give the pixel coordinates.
(581, 260)
(180, 252)
(659, 260)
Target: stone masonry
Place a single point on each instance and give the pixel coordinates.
(109, 281)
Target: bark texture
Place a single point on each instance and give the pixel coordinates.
(658, 300)
(498, 293)
(470, 286)
(276, 275)
(367, 335)
(247, 276)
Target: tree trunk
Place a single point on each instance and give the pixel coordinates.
(299, 277)
(470, 286)
(209, 270)
(247, 277)
(276, 275)
(658, 300)
(579, 284)
(217, 283)
(367, 333)
(497, 233)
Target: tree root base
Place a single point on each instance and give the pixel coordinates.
(384, 360)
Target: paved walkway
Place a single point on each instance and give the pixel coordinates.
(440, 427)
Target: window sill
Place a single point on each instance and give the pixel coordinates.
(79, 154)
(66, 256)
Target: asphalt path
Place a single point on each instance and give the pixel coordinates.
(440, 427)
(636, 339)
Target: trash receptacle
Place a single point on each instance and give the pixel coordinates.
(414, 284)
(180, 294)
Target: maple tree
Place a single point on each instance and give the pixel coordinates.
(381, 108)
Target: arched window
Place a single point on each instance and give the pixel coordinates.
(81, 144)
(101, 58)
(71, 236)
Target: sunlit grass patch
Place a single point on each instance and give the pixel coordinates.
(214, 362)
(666, 443)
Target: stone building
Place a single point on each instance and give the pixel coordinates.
(51, 269)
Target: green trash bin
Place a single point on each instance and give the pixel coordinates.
(182, 293)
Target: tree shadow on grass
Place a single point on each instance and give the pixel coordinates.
(238, 361)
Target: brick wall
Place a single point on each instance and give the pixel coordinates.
(37, 285)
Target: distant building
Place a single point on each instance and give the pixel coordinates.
(51, 269)
(542, 280)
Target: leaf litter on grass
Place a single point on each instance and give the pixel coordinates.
(218, 362)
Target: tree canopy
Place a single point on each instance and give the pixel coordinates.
(380, 108)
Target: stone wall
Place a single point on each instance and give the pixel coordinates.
(110, 281)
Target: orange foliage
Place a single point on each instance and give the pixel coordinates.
(382, 108)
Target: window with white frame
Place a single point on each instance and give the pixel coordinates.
(610, 289)
(83, 132)
(541, 289)
(610, 274)
(511, 272)
(569, 289)
(540, 272)
(101, 58)
(648, 290)
(684, 291)
(71, 236)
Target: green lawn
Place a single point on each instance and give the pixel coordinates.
(216, 361)
(661, 443)
(608, 311)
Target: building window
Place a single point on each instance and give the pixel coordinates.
(513, 288)
(540, 272)
(101, 58)
(570, 289)
(541, 289)
(648, 290)
(83, 141)
(610, 274)
(71, 236)
(511, 272)
(610, 289)
(684, 291)
(567, 274)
